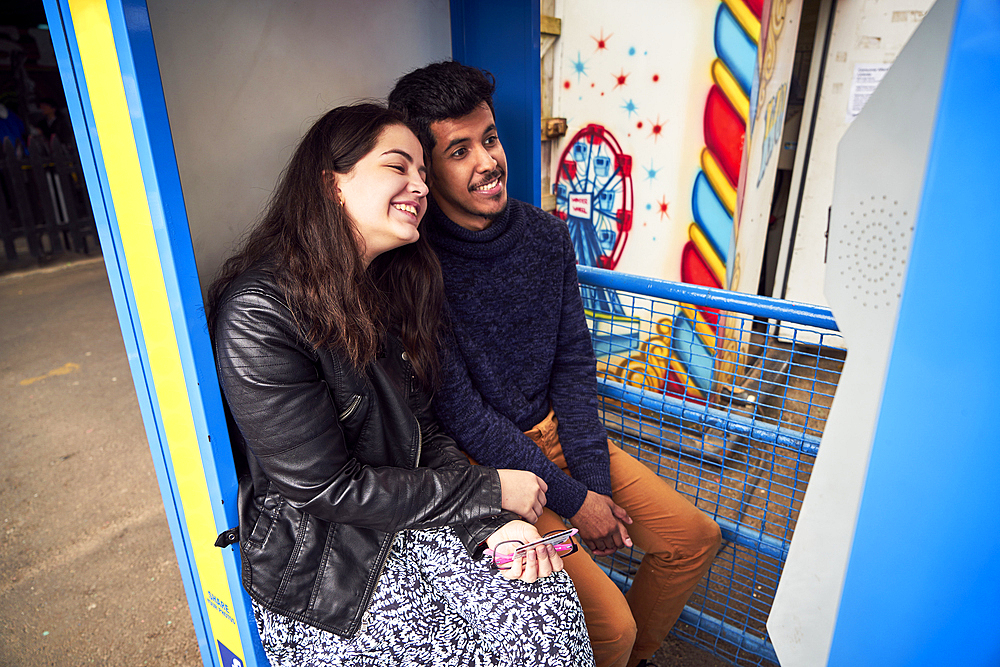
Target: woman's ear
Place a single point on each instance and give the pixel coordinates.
(330, 187)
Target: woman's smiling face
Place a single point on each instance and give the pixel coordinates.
(385, 194)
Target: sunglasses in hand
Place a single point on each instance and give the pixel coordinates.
(507, 552)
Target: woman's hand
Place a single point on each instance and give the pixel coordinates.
(523, 493)
(538, 562)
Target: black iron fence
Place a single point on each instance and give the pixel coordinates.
(44, 208)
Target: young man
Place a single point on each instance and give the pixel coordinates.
(519, 383)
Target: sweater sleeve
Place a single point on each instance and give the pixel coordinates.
(573, 387)
(492, 439)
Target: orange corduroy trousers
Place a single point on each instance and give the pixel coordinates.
(679, 542)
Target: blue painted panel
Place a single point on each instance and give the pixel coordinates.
(923, 583)
(503, 37)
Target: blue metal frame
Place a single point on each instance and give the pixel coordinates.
(504, 38)
(92, 163)
(153, 141)
(923, 581)
(748, 304)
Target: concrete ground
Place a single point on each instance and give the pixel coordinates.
(88, 573)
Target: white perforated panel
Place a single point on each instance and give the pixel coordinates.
(871, 256)
(881, 163)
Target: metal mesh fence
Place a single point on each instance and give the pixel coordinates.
(725, 396)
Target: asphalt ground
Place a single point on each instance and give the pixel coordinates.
(88, 573)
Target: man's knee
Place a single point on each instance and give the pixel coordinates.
(708, 535)
(695, 543)
(612, 639)
(702, 541)
(620, 630)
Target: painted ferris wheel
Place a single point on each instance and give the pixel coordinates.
(594, 196)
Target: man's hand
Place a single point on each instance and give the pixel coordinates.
(602, 524)
(523, 493)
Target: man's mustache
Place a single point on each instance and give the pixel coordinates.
(492, 176)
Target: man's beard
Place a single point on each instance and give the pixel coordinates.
(489, 217)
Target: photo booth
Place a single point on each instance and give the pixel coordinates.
(185, 112)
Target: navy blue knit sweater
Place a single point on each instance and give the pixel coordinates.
(519, 343)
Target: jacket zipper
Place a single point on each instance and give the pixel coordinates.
(384, 558)
(409, 390)
(392, 540)
(355, 402)
(420, 443)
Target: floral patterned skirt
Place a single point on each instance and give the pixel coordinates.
(433, 605)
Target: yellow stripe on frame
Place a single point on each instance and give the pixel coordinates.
(601, 315)
(704, 247)
(103, 76)
(745, 17)
(717, 179)
(731, 88)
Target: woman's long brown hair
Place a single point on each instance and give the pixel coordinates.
(311, 246)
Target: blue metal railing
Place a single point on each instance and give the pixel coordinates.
(709, 417)
(747, 304)
(725, 395)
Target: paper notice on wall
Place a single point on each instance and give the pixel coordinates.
(865, 81)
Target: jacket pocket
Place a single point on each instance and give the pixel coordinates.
(265, 520)
(353, 418)
(351, 407)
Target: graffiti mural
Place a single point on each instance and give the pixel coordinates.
(726, 111)
(766, 123)
(647, 178)
(594, 196)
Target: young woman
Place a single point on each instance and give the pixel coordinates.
(362, 526)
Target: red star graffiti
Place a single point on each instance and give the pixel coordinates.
(664, 205)
(602, 41)
(657, 128)
(620, 78)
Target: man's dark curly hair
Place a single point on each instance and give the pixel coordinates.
(440, 91)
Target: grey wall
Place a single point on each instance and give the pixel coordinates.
(244, 80)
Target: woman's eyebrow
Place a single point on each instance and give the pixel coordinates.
(399, 151)
(409, 158)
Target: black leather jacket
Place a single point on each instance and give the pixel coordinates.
(332, 462)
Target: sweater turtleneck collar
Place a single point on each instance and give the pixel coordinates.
(497, 239)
